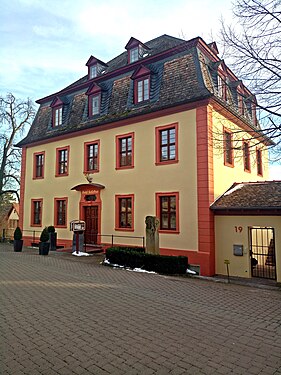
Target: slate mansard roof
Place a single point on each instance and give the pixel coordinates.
(181, 72)
(255, 197)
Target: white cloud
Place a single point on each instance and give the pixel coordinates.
(275, 172)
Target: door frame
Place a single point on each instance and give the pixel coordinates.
(83, 205)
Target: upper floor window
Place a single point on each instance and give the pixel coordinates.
(167, 144)
(246, 156)
(62, 161)
(125, 151)
(124, 209)
(94, 100)
(57, 116)
(241, 108)
(60, 212)
(38, 165)
(91, 156)
(228, 148)
(167, 209)
(36, 212)
(142, 93)
(259, 162)
(141, 78)
(95, 67)
(58, 105)
(136, 50)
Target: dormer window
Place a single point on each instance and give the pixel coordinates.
(57, 112)
(95, 67)
(136, 50)
(141, 79)
(94, 100)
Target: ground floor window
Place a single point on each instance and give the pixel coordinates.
(36, 212)
(124, 212)
(60, 212)
(167, 209)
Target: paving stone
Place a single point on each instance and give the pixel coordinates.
(68, 315)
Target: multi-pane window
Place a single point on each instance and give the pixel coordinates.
(142, 90)
(95, 105)
(36, 212)
(259, 162)
(93, 71)
(92, 157)
(125, 212)
(38, 171)
(246, 156)
(241, 104)
(222, 92)
(168, 144)
(60, 212)
(125, 151)
(167, 211)
(57, 116)
(134, 54)
(62, 161)
(228, 148)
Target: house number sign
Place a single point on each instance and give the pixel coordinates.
(238, 229)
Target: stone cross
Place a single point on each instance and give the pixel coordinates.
(152, 235)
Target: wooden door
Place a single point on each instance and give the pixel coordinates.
(91, 215)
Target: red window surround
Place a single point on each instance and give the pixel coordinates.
(91, 156)
(124, 145)
(246, 156)
(228, 148)
(166, 144)
(62, 161)
(38, 165)
(259, 162)
(167, 210)
(36, 212)
(60, 212)
(124, 212)
(94, 100)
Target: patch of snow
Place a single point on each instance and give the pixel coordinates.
(191, 272)
(80, 254)
(237, 187)
(141, 270)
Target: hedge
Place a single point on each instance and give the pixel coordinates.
(130, 258)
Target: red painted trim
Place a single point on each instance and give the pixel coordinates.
(117, 212)
(158, 211)
(246, 156)
(158, 130)
(117, 150)
(86, 144)
(32, 212)
(56, 212)
(35, 165)
(57, 161)
(259, 162)
(205, 188)
(22, 187)
(227, 132)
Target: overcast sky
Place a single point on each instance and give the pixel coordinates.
(45, 44)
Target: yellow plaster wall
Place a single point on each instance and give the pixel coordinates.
(227, 234)
(225, 176)
(144, 180)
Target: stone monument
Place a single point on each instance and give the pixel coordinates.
(152, 235)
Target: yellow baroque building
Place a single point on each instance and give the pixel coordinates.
(163, 129)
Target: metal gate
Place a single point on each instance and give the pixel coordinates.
(262, 252)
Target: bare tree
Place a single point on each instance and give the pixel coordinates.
(15, 116)
(253, 48)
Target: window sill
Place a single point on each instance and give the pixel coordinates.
(124, 229)
(169, 231)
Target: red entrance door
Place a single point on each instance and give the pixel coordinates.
(91, 215)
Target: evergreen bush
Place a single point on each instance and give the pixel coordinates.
(17, 234)
(44, 237)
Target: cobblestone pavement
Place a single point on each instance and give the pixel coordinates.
(67, 315)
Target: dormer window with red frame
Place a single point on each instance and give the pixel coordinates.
(94, 100)
(141, 79)
(136, 50)
(57, 112)
(95, 67)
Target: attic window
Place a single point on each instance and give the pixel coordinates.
(94, 100)
(95, 67)
(141, 79)
(136, 50)
(57, 112)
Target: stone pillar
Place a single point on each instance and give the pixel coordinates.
(152, 235)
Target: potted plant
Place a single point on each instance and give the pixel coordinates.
(44, 243)
(52, 237)
(18, 241)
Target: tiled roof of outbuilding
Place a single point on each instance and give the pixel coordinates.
(264, 195)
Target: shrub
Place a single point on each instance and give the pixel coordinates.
(17, 234)
(44, 237)
(51, 229)
(134, 259)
